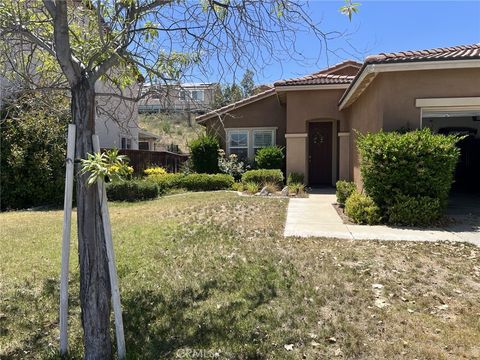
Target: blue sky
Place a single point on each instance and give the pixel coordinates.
(383, 26)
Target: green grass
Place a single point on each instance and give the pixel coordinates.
(212, 272)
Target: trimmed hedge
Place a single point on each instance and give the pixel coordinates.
(270, 157)
(263, 176)
(417, 163)
(362, 209)
(414, 211)
(344, 190)
(192, 182)
(132, 190)
(204, 154)
(206, 182)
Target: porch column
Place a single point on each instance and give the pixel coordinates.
(344, 156)
(297, 154)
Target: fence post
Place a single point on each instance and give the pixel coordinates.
(107, 229)
(67, 224)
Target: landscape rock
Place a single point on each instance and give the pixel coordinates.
(285, 191)
(263, 192)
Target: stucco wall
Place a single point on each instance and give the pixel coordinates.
(116, 118)
(303, 106)
(389, 101)
(267, 112)
(400, 90)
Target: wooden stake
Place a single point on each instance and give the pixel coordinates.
(67, 223)
(117, 308)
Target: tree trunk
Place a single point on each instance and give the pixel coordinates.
(94, 279)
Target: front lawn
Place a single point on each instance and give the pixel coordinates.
(212, 271)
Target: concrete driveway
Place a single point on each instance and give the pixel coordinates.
(316, 216)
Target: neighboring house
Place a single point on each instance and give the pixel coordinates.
(115, 122)
(188, 97)
(316, 116)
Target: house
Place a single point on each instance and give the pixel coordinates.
(187, 97)
(115, 122)
(316, 117)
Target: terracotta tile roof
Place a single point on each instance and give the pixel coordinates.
(237, 104)
(461, 52)
(317, 79)
(334, 68)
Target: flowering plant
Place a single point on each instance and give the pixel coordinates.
(106, 166)
(157, 170)
(230, 164)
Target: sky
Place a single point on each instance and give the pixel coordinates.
(381, 26)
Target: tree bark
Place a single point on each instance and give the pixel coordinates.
(94, 278)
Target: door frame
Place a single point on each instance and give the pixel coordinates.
(334, 148)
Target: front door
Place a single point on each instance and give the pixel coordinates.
(320, 153)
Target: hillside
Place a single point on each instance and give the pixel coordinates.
(172, 128)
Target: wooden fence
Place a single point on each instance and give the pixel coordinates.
(142, 159)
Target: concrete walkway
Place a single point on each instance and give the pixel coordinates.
(315, 216)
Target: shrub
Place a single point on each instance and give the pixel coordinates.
(271, 187)
(270, 157)
(344, 190)
(204, 154)
(413, 211)
(206, 182)
(252, 187)
(295, 178)
(166, 182)
(417, 163)
(32, 151)
(237, 186)
(132, 190)
(263, 176)
(296, 188)
(362, 209)
(156, 170)
(230, 165)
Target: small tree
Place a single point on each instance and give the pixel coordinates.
(248, 83)
(99, 48)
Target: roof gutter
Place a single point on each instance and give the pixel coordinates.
(403, 66)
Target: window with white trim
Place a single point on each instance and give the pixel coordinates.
(263, 138)
(238, 143)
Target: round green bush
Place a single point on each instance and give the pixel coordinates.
(132, 190)
(361, 209)
(416, 163)
(344, 190)
(263, 176)
(204, 154)
(270, 157)
(414, 211)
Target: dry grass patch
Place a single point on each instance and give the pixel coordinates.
(212, 271)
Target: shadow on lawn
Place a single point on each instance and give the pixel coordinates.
(156, 327)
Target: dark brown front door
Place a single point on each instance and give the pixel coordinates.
(320, 153)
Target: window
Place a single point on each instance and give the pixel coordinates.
(183, 95)
(126, 143)
(246, 142)
(143, 145)
(197, 95)
(238, 143)
(262, 138)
